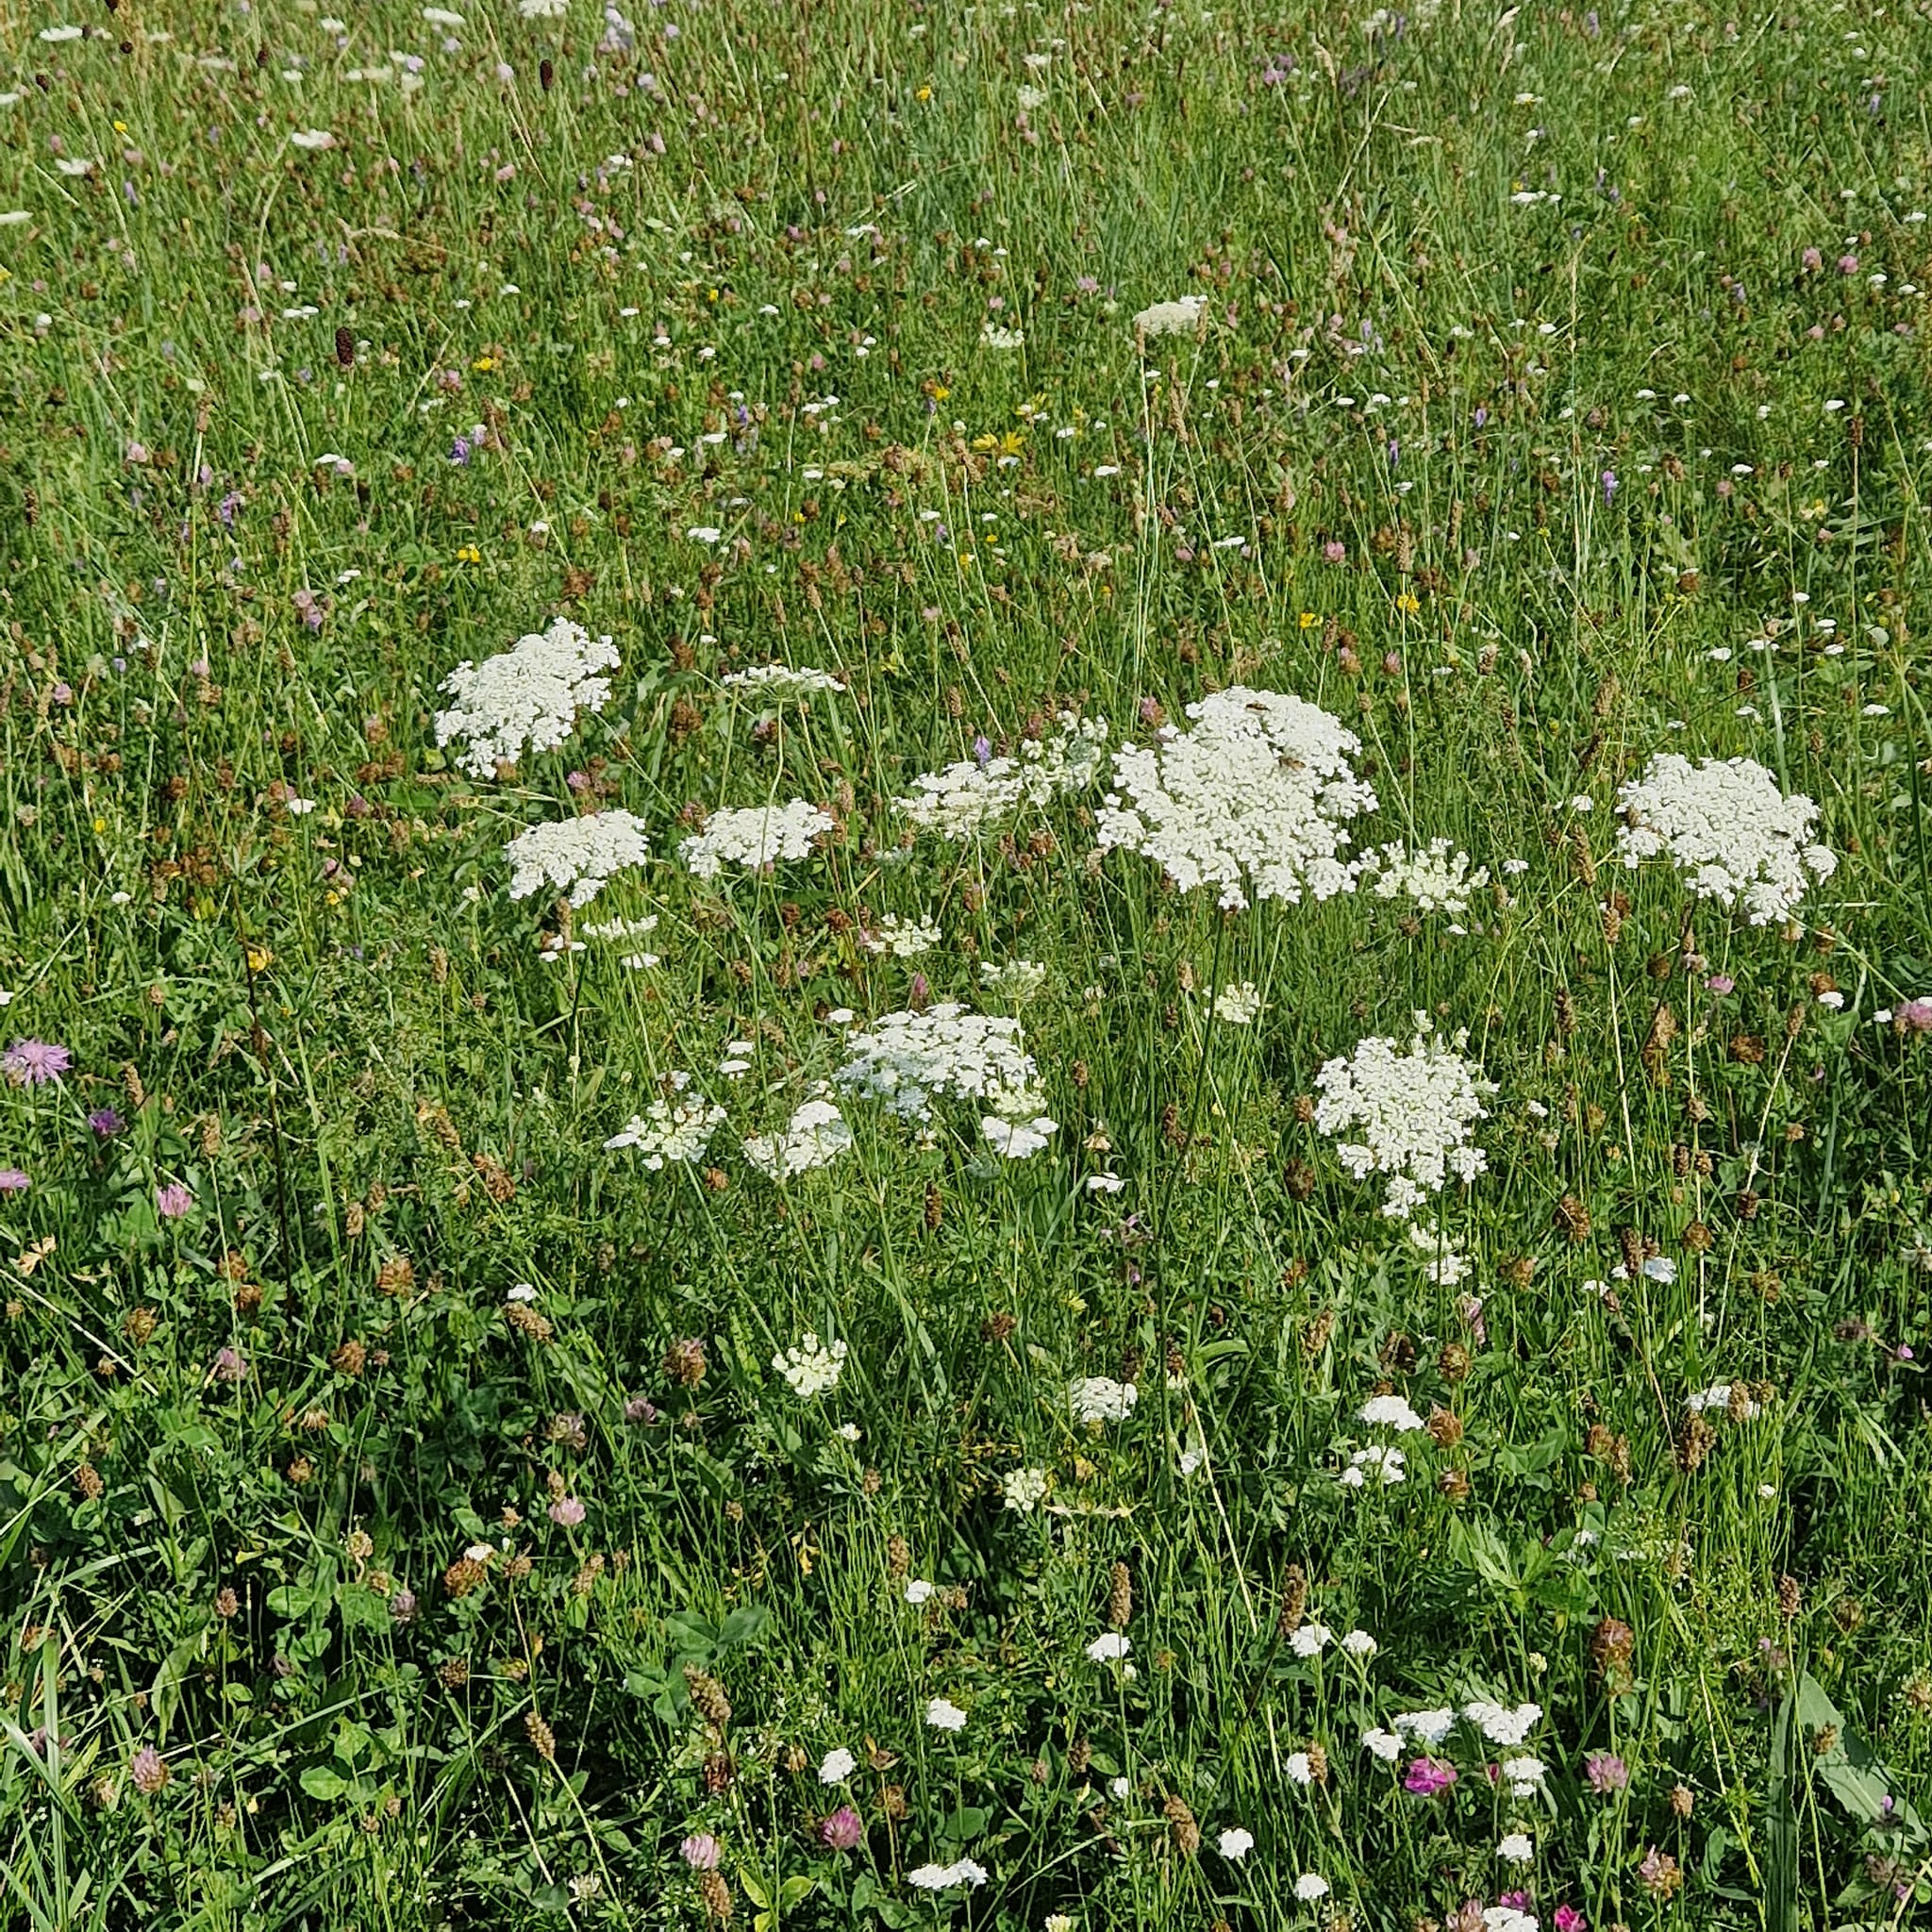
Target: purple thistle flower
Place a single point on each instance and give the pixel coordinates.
(34, 1062)
(12, 1181)
(106, 1121)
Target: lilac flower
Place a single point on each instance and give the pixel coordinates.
(34, 1062)
(1915, 1015)
(842, 1831)
(459, 451)
(1609, 480)
(229, 1365)
(150, 1775)
(12, 1181)
(1720, 983)
(106, 1121)
(1605, 1772)
(1335, 552)
(174, 1201)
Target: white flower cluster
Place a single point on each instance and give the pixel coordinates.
(1100, 1399)
(527, 697)
(1374, 1464)
(943, 1878)
(1018, 980)
(909, 1059)
(1722, 1397)
(811, 1367)
(781, 681)
(1526, 1775)
(676, 1125)
(1728, 829)
(1438, 877)
(903, 939)
(963, 799)
(578, 856)
(816, 1136)
(1500, 1723)
(1023, 1490)
(1172, 318)
(754, 836)
(1239, 1006)
(1390, 1412)
(1415, 1110)
(1255, 797)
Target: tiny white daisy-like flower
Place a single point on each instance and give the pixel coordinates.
(1310, 1886)
(1377, 1464)
(1235, 1843)
(944, 1716)
(837, 1766)
(1360, 1643)
(1025, 1489)
(1110, 1647)
(526, 698)
(1524, 1775)
(1431, 1726)
(903, 939)
(993, 337)
(1516, 1849)
(945, 1877)
(810, 1367)
(1499, 1723)
(1309, 1639)
(1238, 1006)
(848, 1432)
(1299, 1769)
(781, 680)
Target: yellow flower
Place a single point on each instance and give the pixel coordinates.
(1012, 443)
(484, 362)
(100, 827)
(260, 959)
(468, 553)
(940, 392)
(1408, 601)
(986, 443)
(711, 295)
(120, 128)
(1309, 619)
(923, 93)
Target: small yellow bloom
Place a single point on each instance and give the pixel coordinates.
(120, 128)
(468, 553)
(1012, 443)
(1309, 619)
(484, 362)
(923, 93)
(1408, 601)
(711, 295)
(260, 959)
(100, 827)
(940, 392)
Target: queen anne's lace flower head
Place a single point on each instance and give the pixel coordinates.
(966, 797)
(677, 1125)
(910, 1059)
(781, 681)
(1416, 1112)
(754, 836)
(1100, 1399)
(811, 1367)
(1254, 798)
(1436, 878)
(527, 697)
(577, 855)
(1730, 831)
(1182, 317)
(816, 1136)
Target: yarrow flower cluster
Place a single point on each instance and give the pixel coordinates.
(1025, 1489)
(1254, 798)
(1240, 1005)
(754, 836)
(816, 1135)
(811, 1367)
(903, 939)
(1437, 878)
(577, 855)
(781, 681)
(945, 1877)
(527, 697)
(677, 1125)
(966, 797)
(1100, 1399)
(1415, 1111)
(1728, 829)
(1374, 1464)
(910, 1059)
(1179, 318)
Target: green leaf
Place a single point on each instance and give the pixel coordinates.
(325, 1781)
(744, 1624)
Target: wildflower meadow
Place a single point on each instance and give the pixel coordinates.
(965, 966)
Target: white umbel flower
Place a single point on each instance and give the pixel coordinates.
(968, 796)
(813, 1368)
(676, 1126)
(577, 855)
(1390, 1412)
(1730, 831)
(1023, 1491)
(910, 1059)
(1172, 318)
(1100, 1399)
(1416, 1112)
(527, 697)
(1502, 1726)
(1436, 878)
(781, 681)
(754, 836)
(816, 1136)
(903, 937)
(1254, 798)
